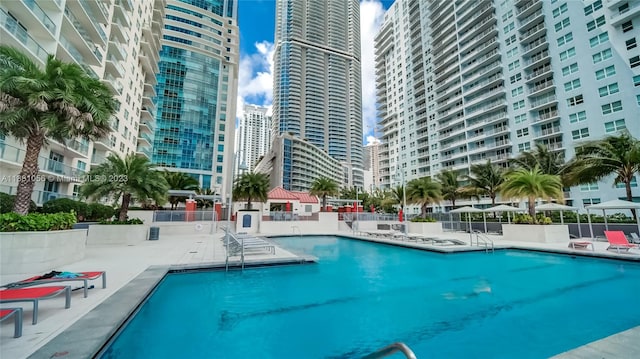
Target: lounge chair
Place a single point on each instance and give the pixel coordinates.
(634, 237)
(35, 295)
(618, 241)
(581, 245)
(16, 313)
(82, 276)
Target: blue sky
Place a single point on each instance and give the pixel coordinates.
(256, 19)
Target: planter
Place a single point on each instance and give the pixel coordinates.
(40, 252)
(425, 227)
(123, 234)
(552, 233)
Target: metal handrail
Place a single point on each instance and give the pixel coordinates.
(485, 240)
(392, 349)
(293, 228)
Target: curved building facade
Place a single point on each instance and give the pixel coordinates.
(317, 79)
(196, 91)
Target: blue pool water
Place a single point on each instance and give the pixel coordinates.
(363, 296)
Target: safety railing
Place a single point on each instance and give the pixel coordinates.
(392, 349)
(486, 241)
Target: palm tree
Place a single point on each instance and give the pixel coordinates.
(60, 102)
(130, 178)
(532, 184)
(450, 186)
(613, 155)
(179, 181)
(324, 187)
(549, 162)
(205, 203)
(251, 186)
(423, 191)
(484, 180)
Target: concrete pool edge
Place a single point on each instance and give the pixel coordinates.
(88, 336)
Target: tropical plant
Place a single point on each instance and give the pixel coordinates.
(7, 200)
(14, 222)
(597, 160)
(532, 184)
(324, 187)
(549, 162)
(394, 196)
(450, 186)
(59, 102)
(251, 186)
(179, 181)
(423, 191)
(127, 179)
(205, 203)
(484, 180)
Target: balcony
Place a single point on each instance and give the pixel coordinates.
(547, 132)
(116, 49)
(528, 8)
(113, 83)
(144, 139)
(43, 23)
(82, 17)
(145, 151)
(548, 116)
(632, 11)
(548, 100)
(113, 67)
(120, 13)
(531, 19)
(19, 37)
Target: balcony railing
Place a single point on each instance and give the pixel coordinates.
(20, 33)
(41, 15)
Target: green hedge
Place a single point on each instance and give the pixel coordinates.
(85, 212)
(6, 203)
(420, 219)
(13, 222)
(128, 221)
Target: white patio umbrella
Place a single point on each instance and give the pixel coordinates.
(505, 208)
(614, 204)
(468, 210)
(561, 208)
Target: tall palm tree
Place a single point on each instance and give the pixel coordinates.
(450, 186)
(613, 155)
(423, 191)
(251, 186)
(179, 181)
(60, 102)
(532, 184)
(549, 162)
(205, 203)
(484, 180)
(324, 187)
(130, 178)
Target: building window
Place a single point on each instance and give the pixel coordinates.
(614, 126)
(579, 134)
(522, 132)
(560, 10)
(611, 107)
(602, 55)
(520, 118)
(606, 72)
(514, 65)
(634, 61)
(592, 25)
(565, 39)
(518, 105)
(631, 43)
(633, 183)
(636, 80)
(568, 70)
(608, 90)
(588, 10)
(515, 78)
(562, 24)
(627, 26)
(572, 85)
(517, 91)
(509, 27)
(590, 201)
(564, 55)
(589, 187)
(524, 147)
(577, 117)
(600, 39)
(575, 100)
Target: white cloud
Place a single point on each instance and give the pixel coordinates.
(372, 140)
(371, 16)
(255, 77)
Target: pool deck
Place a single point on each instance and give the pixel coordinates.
(134, 270)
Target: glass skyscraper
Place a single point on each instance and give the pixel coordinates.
(196, 90)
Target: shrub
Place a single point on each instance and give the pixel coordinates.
(420, 219)
(13, 222)
(523, 218)
(128, 221)
(67, 205)
(6, 203)
(100, 212)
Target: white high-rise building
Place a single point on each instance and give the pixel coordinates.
(254, 135)
(116, 41)
(317, 81)
(462, 82)
(372, 165)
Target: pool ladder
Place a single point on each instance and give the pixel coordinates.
(486, 241)
(293, 228)
(392, 349)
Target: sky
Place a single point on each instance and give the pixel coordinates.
(256, 19)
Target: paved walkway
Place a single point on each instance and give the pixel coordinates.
(124, 263)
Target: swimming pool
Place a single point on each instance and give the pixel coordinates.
(362, 296)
